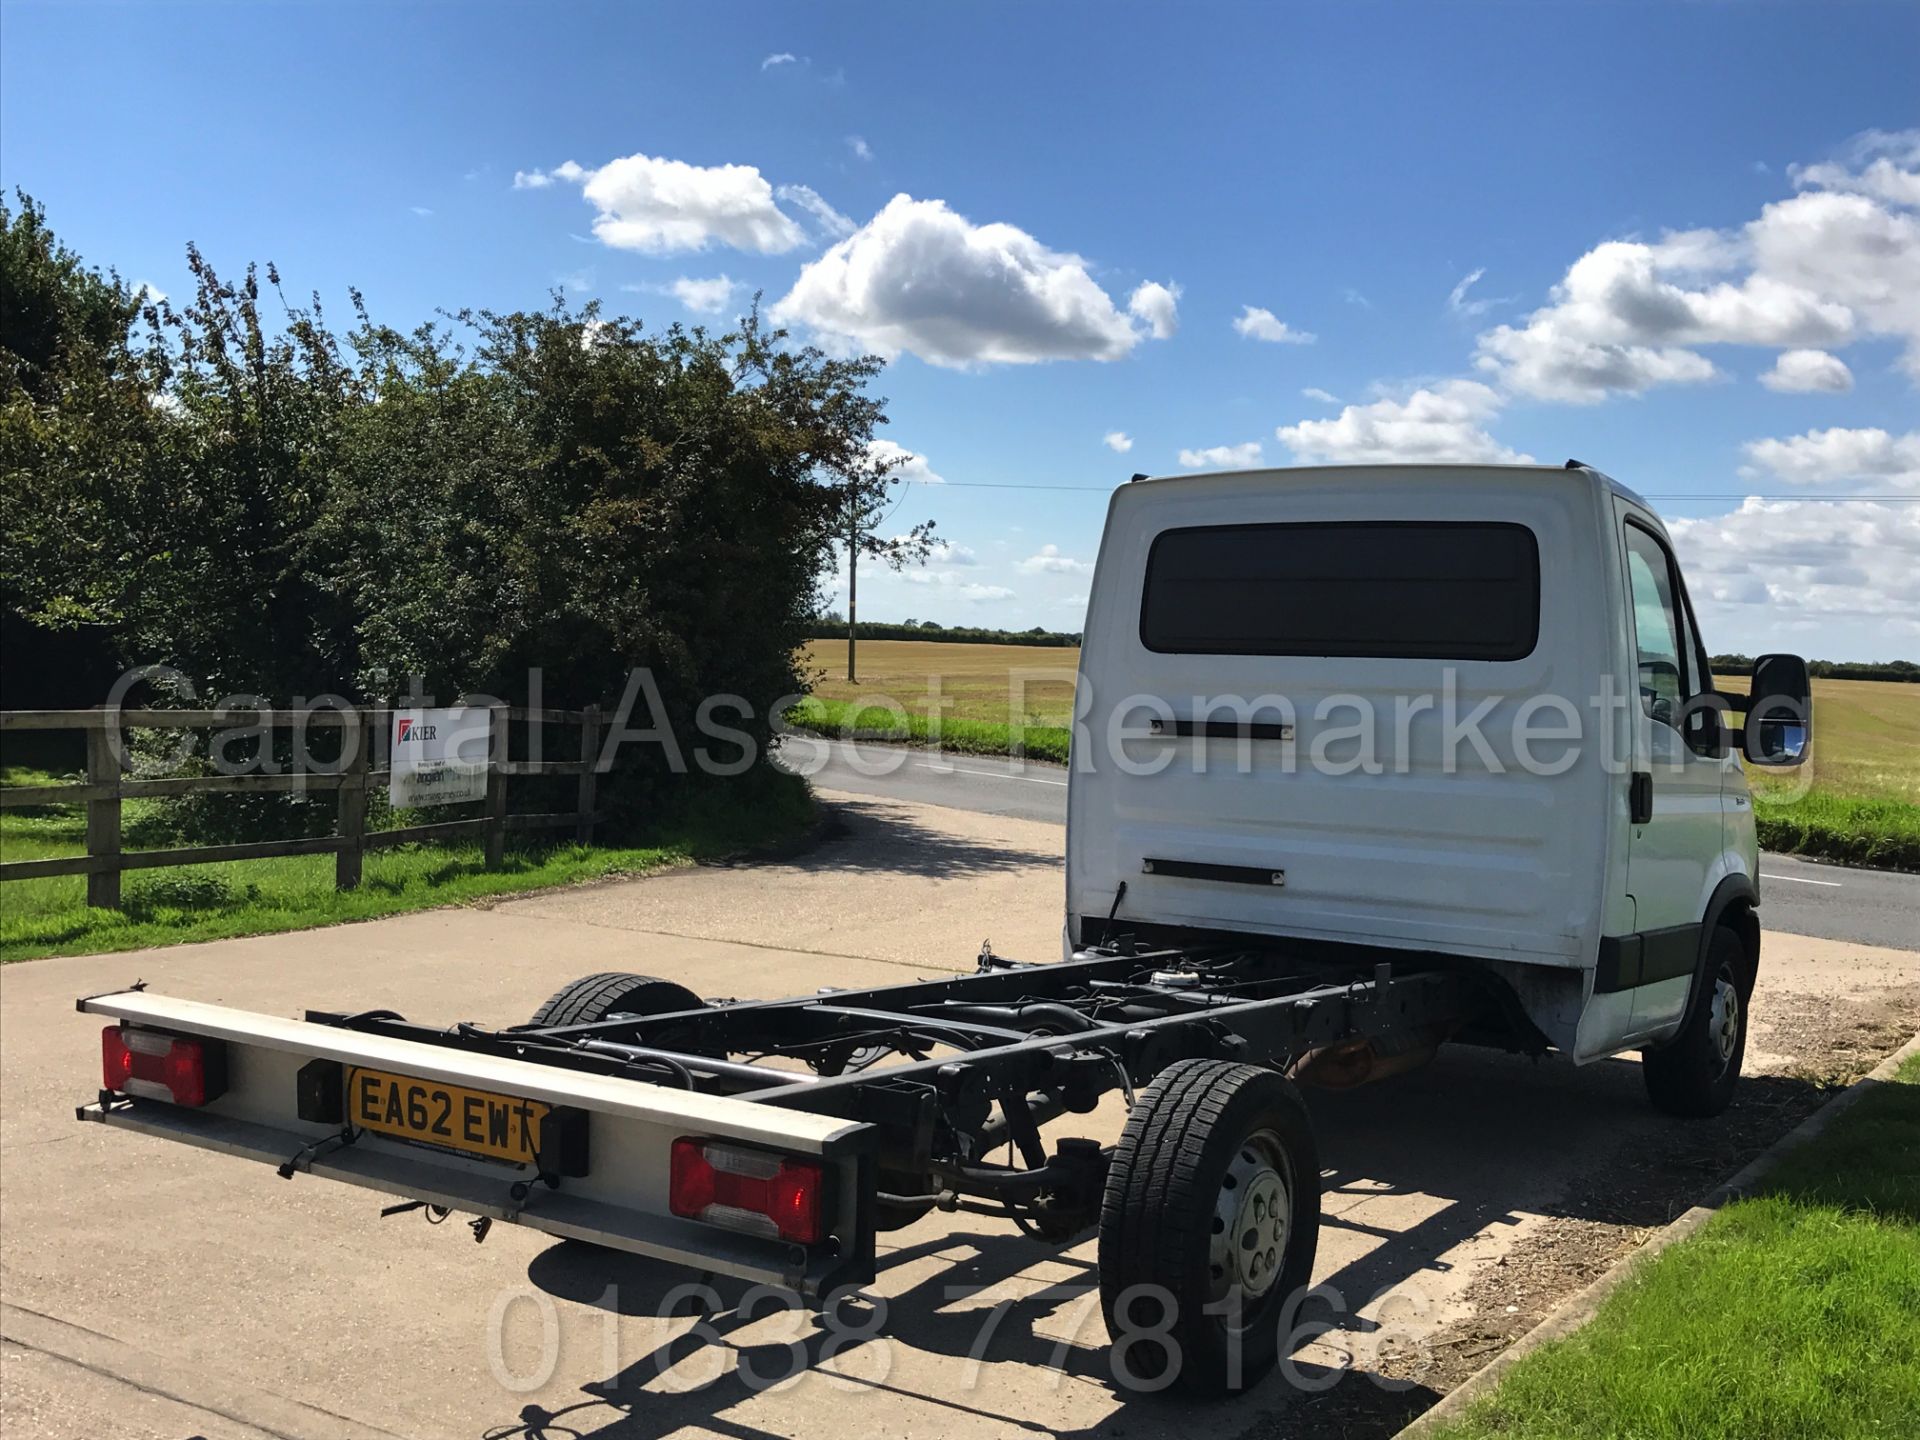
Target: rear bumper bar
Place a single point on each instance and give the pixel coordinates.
(621, 1202)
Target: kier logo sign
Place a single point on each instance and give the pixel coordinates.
(439, 757)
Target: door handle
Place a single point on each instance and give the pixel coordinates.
(1640, 797)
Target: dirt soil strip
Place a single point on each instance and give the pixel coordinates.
(1569, 1317)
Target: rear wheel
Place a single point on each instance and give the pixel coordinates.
(1694, 1073)
(1208, 1226)
(593, 998)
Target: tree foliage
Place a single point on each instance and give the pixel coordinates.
(234, 488)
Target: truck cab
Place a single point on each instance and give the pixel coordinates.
(1461, 711)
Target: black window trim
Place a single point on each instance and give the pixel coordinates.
(1687, 639)
(1532, 643)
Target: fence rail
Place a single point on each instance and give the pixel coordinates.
(107, 787)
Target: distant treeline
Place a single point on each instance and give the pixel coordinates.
(834, 627)
(1905, 670)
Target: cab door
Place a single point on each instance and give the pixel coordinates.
(1676, 835)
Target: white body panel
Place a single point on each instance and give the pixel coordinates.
(1439, 850)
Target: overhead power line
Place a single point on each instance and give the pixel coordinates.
(1650, 495)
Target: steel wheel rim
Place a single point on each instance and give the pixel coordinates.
(1724, 1020)
(1251, 1219)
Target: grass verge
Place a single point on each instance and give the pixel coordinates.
(1793, 1313)
(863, 720)
(38, 918)
(1853, 829)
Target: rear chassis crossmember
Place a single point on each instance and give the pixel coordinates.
(928, 1080)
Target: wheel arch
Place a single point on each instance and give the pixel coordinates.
(1735, 904)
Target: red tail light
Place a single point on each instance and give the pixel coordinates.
(771, 1195)
(162, 1067)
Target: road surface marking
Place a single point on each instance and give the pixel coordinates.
(1799, 880)
(989, 774)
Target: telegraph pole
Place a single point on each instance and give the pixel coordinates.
(853, 584)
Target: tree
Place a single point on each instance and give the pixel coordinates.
(275, 508)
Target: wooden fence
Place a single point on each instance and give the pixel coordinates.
(107, 786)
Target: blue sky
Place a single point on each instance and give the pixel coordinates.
(1695, 230)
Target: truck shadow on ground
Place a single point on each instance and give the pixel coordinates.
(1466, 1150)
(867, 837)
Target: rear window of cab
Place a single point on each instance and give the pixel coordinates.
(1428, 590)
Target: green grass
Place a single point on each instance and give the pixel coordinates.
(258, 897)
(868, 720)
(1792, 1314)
(1855, 829)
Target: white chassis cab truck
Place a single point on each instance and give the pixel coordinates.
(1365, 760)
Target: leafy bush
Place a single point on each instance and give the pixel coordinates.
(145, 897)
(274, 508)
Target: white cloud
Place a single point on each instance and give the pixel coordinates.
(830, 220)
(1224, 457)
(1832, 264)
(919, 278)
(1799, 370)
(780, 57)
(1314, 392)
(1882, 164)
(146, 293)
(1049, 561)
(1157, 306)
(1443, 423)
(703, 297)
(1258, 324)
(1618, 322)
(902, 463)
(1869, 457)
(1460, 303)
(1770, 561)
(861, 150)
(1117, 441)
(421, 210)
(1852, 249)
(973, 591)
(661, 206)
(949, 552)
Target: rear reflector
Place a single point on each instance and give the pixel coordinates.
(751, 1190)
(162, 1067)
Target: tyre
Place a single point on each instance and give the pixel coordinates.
(1694, 1073)
(593, 998)
(1208, 1226)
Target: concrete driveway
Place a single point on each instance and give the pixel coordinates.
(151, 1290)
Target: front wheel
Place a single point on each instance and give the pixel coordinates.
(1208, 1226)
(1694, 1073)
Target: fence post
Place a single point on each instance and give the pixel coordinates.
(103, 815)
(496, 832)
(352, 826)
(589, 755)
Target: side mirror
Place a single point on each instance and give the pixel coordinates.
(1779, 728)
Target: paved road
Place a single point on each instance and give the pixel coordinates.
(1834, 902)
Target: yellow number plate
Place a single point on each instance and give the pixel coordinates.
(476, 1121)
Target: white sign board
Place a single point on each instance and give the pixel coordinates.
(439, 757)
